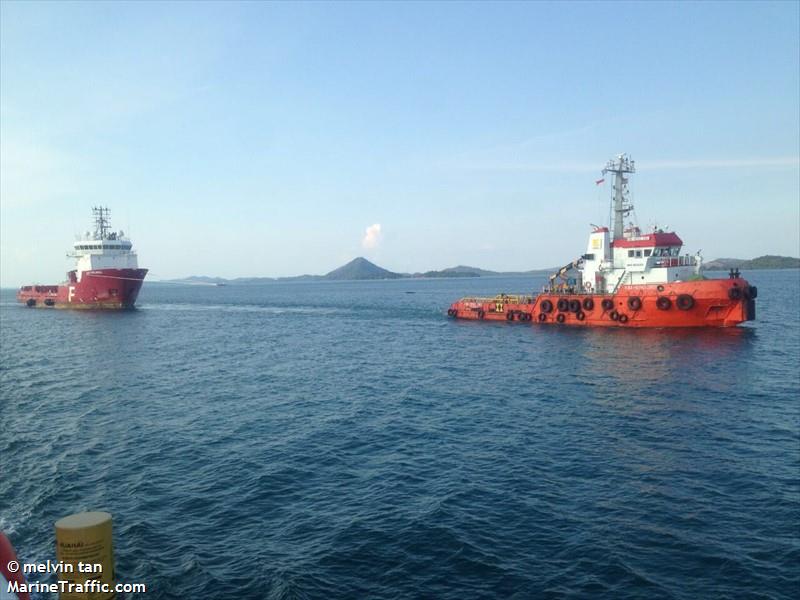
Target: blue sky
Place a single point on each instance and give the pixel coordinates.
(264, 139)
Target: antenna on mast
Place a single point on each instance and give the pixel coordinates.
(101, 224)
(620, 166)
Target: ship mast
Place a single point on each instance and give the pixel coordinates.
(101, 225)
(622, 206)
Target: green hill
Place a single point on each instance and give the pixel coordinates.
(768, 261)
(772, 262)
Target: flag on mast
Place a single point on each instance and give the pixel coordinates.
(599, 181)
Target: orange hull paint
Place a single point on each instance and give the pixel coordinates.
(714, 303)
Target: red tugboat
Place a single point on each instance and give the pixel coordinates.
(106, 274)
(625, 279)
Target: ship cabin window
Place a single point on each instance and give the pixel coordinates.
(630, 253)
(638, 254)
(648, 252)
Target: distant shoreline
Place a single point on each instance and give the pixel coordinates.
(361, 269)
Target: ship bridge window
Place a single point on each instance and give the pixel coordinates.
(638, 254)
(648, 252)
(630, 253)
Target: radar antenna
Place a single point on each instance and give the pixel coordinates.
(619, 166)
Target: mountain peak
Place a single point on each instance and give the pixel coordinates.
(361, 268)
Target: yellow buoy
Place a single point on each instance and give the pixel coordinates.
(85, 552)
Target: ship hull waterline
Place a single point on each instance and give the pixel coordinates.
(102, 289)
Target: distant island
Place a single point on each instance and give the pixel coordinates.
(768, 261)
(360, 269)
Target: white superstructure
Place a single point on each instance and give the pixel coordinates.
(103, 249)
(629, 256)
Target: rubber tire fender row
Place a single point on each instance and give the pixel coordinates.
(580, 316)
(481, 314)
(634, 303)
(574, 305)
(623, 318)
(546, 306)
(588, 304)
(607, 304)
(562, 305)
(684, 302)
(613, 315)
(561, 318)
(542, 317)
(510, 315)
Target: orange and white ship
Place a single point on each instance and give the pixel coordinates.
(626, 278)
(106, 274)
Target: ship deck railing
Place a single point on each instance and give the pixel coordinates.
(501, 299)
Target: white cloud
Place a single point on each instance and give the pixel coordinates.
(372, 236)
(724, 163)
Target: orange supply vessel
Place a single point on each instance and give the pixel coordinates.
(626, 278)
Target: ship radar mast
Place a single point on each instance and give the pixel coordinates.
(101, 224)
(620, 166)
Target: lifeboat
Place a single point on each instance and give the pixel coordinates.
(626, 278)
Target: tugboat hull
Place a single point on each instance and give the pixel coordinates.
(702, 303)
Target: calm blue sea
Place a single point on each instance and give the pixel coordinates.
(347, 440)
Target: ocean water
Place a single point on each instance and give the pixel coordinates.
(348, 440)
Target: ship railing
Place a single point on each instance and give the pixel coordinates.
(499, 299)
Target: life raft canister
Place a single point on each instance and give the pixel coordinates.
(684, 302)
(7, 555)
